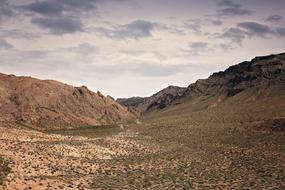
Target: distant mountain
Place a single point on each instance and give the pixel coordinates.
(51, 104)
(255, 87)
(159, 100)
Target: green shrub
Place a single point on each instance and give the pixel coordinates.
(4, 170)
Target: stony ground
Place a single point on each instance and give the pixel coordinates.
(173, 153)
(46, 161)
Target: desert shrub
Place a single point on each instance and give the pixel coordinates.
(4, 170)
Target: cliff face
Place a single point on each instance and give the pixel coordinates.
(51, 104)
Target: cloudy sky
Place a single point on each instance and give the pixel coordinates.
(135, 47)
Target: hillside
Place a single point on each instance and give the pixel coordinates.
(159, 100)
(255, 86)
(245, 92)
(262, 72)
(51, 104)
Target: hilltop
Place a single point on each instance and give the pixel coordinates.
(52, 104)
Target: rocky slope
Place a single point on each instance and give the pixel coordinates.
(261, 71)
(247, 80)
(51, 104)
(159, 100)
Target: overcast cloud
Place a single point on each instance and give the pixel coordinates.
(131, 47)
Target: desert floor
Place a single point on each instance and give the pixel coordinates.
(46, 161)
(176, 154)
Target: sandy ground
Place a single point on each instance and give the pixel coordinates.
(44, 161)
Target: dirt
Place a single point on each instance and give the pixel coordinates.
(45, 161)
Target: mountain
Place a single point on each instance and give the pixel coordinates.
(262, 72)
(252, 89)
(51, 104)
(159, 100)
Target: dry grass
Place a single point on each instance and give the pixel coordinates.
(200, 156)
(48, 161)
(220, 148)
(230, 146)
(89, 131)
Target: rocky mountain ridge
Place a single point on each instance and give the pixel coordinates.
(261, 73)
(51, 104)
(159, 100)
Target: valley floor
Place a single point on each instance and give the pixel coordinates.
(160, 154)
(46, 161)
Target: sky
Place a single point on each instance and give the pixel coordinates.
(126, 48)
